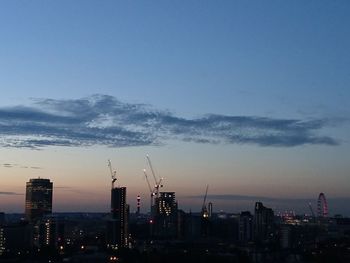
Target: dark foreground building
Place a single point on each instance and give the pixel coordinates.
(117, 225)
(263, 223)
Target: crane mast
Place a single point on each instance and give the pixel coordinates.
(152, 191)
(148, 183)
(113, 173)
(157, 183)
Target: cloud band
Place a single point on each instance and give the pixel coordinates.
(104, 120)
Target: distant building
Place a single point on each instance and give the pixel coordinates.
(285, 236)
(117, 225)
(165, 218)
(263, 223)
(138, 205)
(210, 209)
(2, 237)
(245, 227)
(38, 199)
(16, 238)
(2, 240)
(2, 218)
(51, 232)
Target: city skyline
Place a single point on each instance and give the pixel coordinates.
(248, 98)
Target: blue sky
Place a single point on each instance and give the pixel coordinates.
(250, 97)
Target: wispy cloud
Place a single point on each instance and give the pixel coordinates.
(104, 120)
(74, 190)
(35, 167)
(12, 165)
(9, 193)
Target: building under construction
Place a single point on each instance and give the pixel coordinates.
(117, 224)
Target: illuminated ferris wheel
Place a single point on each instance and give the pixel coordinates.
(322, 206)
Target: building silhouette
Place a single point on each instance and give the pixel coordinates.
(38, 199)
(263, 223)
(210, 209)
(117, 225)
(16, 238)
(245, 227)
(51, 232)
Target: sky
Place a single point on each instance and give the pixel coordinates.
(248, 97)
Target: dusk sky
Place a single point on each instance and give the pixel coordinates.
(249, 97)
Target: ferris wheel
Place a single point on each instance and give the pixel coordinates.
(322, 206)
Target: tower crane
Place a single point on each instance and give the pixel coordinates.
(113, 173)
(204, 206)
(157, 183)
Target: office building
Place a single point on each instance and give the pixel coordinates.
(38, 199)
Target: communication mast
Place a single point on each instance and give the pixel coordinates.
(205, 213)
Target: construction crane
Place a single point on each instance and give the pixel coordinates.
(113, 173)
(204, 206)
(157, 183)
(150, 189)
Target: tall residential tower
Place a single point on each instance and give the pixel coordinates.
(117, 225)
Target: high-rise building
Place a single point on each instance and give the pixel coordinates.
(38, 198)
(117, 225)
(245, 227)
(165, 219)
(2, 241)
(263, 223)
(51, 232)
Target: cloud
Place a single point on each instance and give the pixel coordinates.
(74, 190)
(9, 193)
(104, 120)
(11, 165)
(35, 167)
